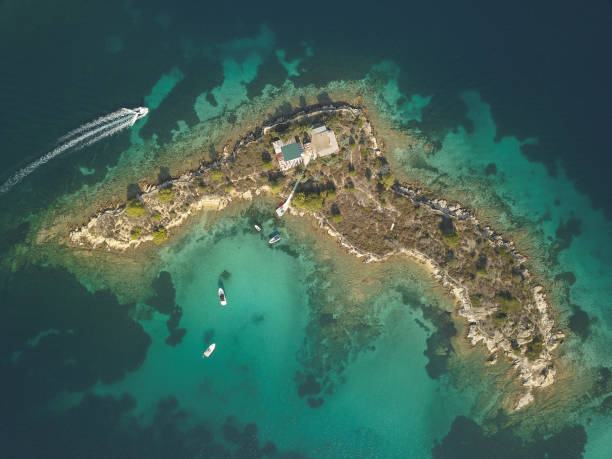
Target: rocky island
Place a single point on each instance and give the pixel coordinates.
(347, 186)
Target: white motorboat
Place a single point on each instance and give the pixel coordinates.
(222, 297)
(274, 239)
(209, 350)
(257, 227)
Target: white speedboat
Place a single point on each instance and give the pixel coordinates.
(222, 297)
(140, 112)
(274, 239)
(209, 350)
(257, 227)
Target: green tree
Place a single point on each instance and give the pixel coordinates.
(165, 195)
(134, 208)
(136, 232)
(160, 235)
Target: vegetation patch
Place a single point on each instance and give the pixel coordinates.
(134, 208)
(499, 318)
(311, 201)
(449, 234)
(165, 195)
(216, 176)
(534, 348)
(160, 235)
(387, 180)
(156, 216)
(451, 239)
(136, 232)
(475, 300)
(331, 195)
(507, 303)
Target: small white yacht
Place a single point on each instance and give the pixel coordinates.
(209, 350)
(257, 227)
(274, 239)
(222, 297)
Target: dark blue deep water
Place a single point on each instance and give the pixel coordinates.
(543, 68)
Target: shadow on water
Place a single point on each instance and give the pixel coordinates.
(467, 439)
(163, 175)
(164, 302)
(133, 191)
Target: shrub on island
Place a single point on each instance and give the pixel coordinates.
(156, 216)
(534, 348)
(136, 232)
(202, 187)
(165, 195)
(451, 239)
(475, 300)
(331, 195)
(216, 176)
(500, 318)
(387, 180)
(134, 208)
(305, 201)
(160, 235)
(507, 303)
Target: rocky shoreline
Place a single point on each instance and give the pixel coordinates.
(512, 317)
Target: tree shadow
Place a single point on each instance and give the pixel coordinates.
(133, 191)
(324, 99)
(163, 175)
(212, 153)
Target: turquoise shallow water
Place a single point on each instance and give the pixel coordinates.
(386, 406)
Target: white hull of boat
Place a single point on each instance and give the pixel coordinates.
(222, 297)
(209, 350)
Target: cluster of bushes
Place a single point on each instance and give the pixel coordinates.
(156, 216)
(475, 300)
(534, 348)
(134, 208)
(449, 234)
(311, 201)
(267, 160)
(216, 176)
(499, 318)
(481, 265)
(451, 239)
(330, 195)
(336, 215)
(136, 232)
(202, 187)
(387, 180)
(160, 235)
(165, 195)
(507, 303)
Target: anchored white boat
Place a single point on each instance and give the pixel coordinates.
(274, 239)
(222, 297)
(257, 227)
(209, 350)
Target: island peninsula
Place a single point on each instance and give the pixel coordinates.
(330, 156)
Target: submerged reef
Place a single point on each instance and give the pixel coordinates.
(354, 197)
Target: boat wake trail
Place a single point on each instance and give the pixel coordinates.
(80, 137)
